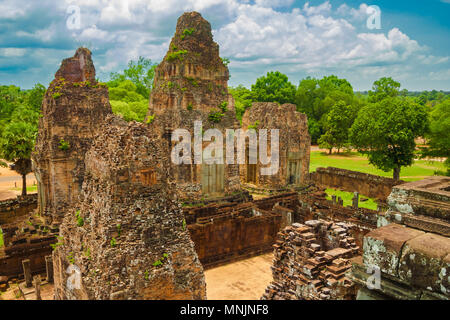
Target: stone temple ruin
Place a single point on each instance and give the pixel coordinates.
(114, 218)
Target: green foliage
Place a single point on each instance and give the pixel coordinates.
(223, 106)
(337, 125)
(384, 88)
(316, 97)
(113, 242)
(193, 81)
(439, 134)
(71, 258)
(254, 126)
(146, 275)
(80, 220)
(348, 199)
(119, 228)
(56, 95)
(150, 119)
(176, 55)
(161, 261)
(275, 87)
(63, 145)
(225, 61)
(190, 106)
(1, 237)
(187, 32)
(184, 224)
(140, 73)
(385, 131)
(215, 116)
(243, 99)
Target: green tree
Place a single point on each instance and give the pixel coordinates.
(385, 131)
(275, 87)
(16, 143)
(338, 122)
(384, 88)
(316, 97)
(439, 134)
(243, 99)
(140, 72)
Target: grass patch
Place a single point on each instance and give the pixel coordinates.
(29, 189)
(357, 162)
(348, 197)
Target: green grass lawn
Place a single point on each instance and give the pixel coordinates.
(348, 196)
(357, 162)
(30, 189)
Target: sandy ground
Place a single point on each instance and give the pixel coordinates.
(9, 180)
(242, 280)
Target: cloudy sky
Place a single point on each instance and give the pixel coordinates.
(299, 38)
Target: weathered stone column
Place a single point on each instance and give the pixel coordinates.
(27, 273)
(37, 287)
(355, 200)
(49, 268)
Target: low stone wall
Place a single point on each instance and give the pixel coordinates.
(11, 209)
(226, 232)
(367, 184)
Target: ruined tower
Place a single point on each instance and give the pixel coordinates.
(72, 112)
(191, 85)
(126, 238)
(294, 146)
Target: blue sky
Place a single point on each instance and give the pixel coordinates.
(300, 38)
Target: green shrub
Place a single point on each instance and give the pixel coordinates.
(63, 145)
(254, 126)
(150, 119)
(223, 106)
(190, 106)
(56, 95)
(187, 32)
(113, 242)
(176, 55)
(216, 116)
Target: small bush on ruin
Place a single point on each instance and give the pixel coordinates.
(63, 145)
(56, 95)
(113, 242)
(190, 106)
(216, 116)
(254, 126)
(223, 106)
(150, 119)
(176, 55)
(187, 32)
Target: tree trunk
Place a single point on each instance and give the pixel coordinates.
(24, 184)
(331, 150)
(397, 173)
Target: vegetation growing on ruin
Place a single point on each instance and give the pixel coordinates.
(190, 106)
(225, 61)
(161, 261)
(215, 116)
(1, 237)
(80, 220)
(63, 145)
(176, 55)
(223, 106)
(187, 32)
(150, 119)
(113, 242)
(192, 81)
(254, 126)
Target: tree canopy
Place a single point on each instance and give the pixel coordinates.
(386, 131)
(274, 87)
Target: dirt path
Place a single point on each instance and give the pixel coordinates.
(10, 180)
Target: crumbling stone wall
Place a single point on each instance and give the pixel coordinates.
(311, 261)
(191, 85)
(13, 209)
(367, 184)
(126, 235)
(72, 112)
(411, 249)
(294, 145)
